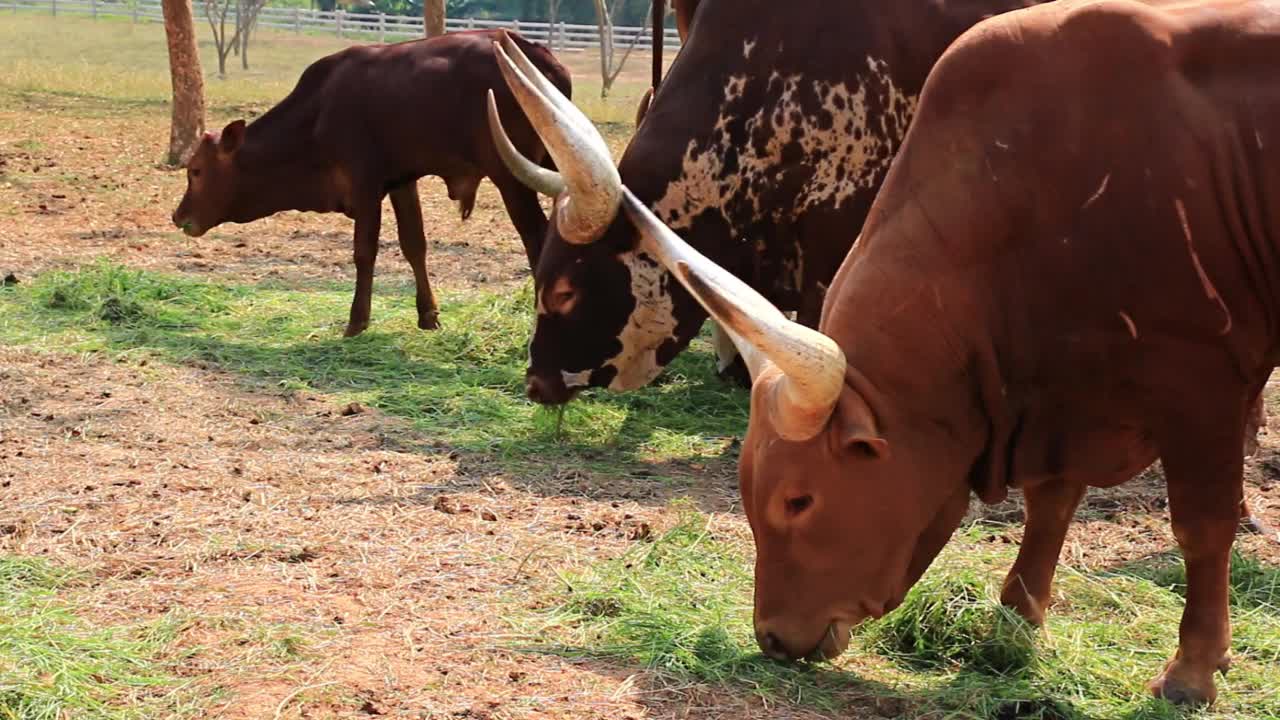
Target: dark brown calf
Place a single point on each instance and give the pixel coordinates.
(365, 123)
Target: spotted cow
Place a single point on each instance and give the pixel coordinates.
(763, 147)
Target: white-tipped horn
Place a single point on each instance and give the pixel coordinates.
(534, 176)
(812, 364)
(593, 185)
(547, 89)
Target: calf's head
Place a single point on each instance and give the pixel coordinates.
(609, 314)
(211, 181)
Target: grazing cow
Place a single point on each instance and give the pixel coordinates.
(764, 147)
(1071, 271)
(364, 123)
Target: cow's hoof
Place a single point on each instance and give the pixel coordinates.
(1255, 525)
(355, 329)
(429, 321)
(1028, 608)
(1181, 685)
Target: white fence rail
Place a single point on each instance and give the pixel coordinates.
(357, 26)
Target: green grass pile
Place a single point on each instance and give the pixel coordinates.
(951, 620)
(56, 665)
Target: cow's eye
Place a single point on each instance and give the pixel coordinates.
(799, 504)
(195, 172)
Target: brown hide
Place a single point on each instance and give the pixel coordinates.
(1069, 273)
(365, 123)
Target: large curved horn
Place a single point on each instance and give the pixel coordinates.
(593, 185)
(546, 88)
(534, 176)
(812, 364)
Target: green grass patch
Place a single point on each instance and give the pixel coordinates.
(463, 386)
(55, 665)
(1254, 585)
(681, 606)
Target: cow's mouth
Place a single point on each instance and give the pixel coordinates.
(831, 645)
(189, 228)
(547, 389)
(834, 642)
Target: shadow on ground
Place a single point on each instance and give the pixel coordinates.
(461, 388)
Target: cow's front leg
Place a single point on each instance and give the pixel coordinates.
(1049, 507)
(1204, 478)
(368, 214)
(413, 243)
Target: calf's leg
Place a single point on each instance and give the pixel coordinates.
(368, 214)
(413, 243)
(1254, 426)
(1049, 507)
(1204, 475)
(526, 214)
(1251, 523)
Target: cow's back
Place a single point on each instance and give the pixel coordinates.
(420, 104)
(1088, 195)
(793, 119)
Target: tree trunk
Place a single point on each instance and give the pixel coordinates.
(433, 17)
(188, 80)
(605, 25)
(244, 47)
(244, 17)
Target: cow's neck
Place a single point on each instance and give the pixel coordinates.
(284, 168)
(912, 311)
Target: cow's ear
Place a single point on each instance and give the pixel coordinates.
(856, 428)
(871, 447)
(232, 136)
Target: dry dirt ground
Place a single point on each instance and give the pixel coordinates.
(330, 562)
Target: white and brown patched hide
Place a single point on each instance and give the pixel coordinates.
(783, 147)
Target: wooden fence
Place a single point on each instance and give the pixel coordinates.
(358, 26)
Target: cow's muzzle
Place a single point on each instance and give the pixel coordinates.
(833, 642)
(187, 225)
(548, 389)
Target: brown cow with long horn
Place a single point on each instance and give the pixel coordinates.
(1067, 275)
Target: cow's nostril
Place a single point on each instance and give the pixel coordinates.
(772, 646)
